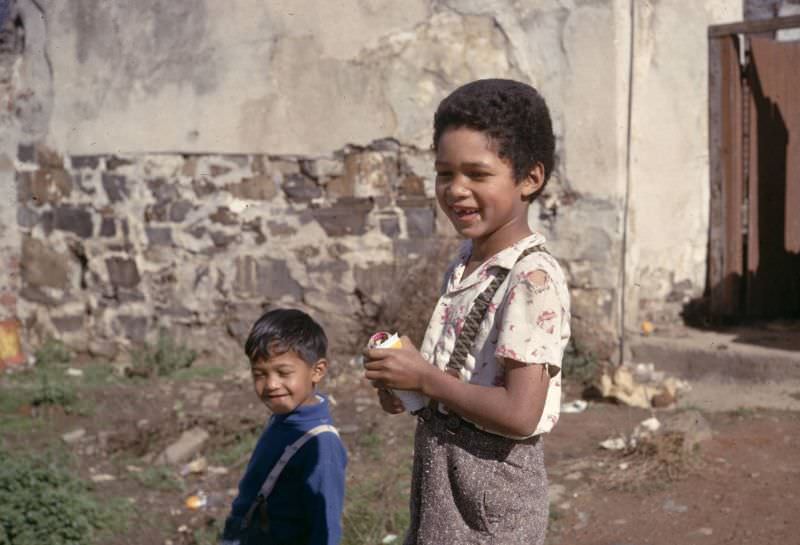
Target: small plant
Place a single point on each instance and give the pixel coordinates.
(159, 478)
(42, 504)
(578, 365)
(52, 352)
(166, 357)
(52, 393)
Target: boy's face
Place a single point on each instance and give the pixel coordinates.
(284, 381)
(477, 190)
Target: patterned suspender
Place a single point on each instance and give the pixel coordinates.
(469, 331)
(476, 314)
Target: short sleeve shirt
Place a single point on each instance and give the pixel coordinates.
(527, 320)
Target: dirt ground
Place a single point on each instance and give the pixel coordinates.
(741, 487)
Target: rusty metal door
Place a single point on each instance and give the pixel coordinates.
(754, 244)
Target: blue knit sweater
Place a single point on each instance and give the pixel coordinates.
(305, 507)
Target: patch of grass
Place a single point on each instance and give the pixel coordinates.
(42, 503)
(159, 477)
(53, 393)
(744, 412)
(52, 352)
(377, 505)
(371, 443)
(237, 450)
(165, 358)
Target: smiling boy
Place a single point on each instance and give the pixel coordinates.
(302, 504)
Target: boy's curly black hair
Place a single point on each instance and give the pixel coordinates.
(512, 114)
(286, 329)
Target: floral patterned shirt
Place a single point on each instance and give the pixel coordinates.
(527, 321)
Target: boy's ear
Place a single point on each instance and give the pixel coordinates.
(318, 370)
(534, 181)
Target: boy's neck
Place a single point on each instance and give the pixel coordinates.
(483, 249)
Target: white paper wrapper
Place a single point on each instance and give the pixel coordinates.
(412, 401)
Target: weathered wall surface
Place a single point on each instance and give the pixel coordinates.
(121, 246)
(191, 162)
(669, 194)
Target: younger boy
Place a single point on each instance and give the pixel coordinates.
(286, 349)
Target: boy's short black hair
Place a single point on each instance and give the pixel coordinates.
(286, 329)
(512, 114)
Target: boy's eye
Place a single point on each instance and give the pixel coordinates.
(443, 175)
(479, 175)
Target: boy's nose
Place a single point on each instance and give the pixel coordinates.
(458, 187)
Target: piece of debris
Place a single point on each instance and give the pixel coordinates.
(647, 327)
(188, 444)
(623, 386)
(73, 436)
(197, 501)
(644, 430)
(616, 443)
(691, 425)
(72, 372)
(576, 406)
(218, 470)
(103, 478)
(211, 401)
(198, 465)
(389, 538)
(133, 469)
(672, 507)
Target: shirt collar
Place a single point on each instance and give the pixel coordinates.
(505, 258)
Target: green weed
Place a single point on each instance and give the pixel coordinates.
(376, 506)
(52, 352)
(236, 451)
(53, 393)
(159, 478)
(579, 365)
(41, 503)
(165, 358)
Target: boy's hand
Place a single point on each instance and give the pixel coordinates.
(401, 368)
(389, 402)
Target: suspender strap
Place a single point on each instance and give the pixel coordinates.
(275, 472)
(290, 451)
(475, 316)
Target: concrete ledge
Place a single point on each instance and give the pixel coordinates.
(701, 355)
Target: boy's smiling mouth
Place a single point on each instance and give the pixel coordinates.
(464, 213)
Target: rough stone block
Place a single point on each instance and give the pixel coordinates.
(299, 188)
(280, 228)
(346, 217)
(85, 161)
(159, 236)
(260, 187)
(179, 210)
(412, 186)
(69, 324)
(223, 215)
(420, 220)
(43, 267)
(48, 158)
(49, 185)
(389, 225)
(266, 277)
(188, 444)
(134, 328)
(113, 162)
(322, 168)
(73, 219)
(116, 187)
(26, 218)
(122, 272)
(222, 240)
(26, 153)
(108, 227)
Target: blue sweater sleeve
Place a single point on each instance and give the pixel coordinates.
(325, 492)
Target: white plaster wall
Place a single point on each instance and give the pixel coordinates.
(669, 194)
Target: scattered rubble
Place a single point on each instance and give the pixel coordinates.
(641, 386)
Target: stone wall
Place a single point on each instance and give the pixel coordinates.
(183, 164)
(115, 248)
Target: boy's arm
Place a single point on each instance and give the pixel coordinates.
(325, 491)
